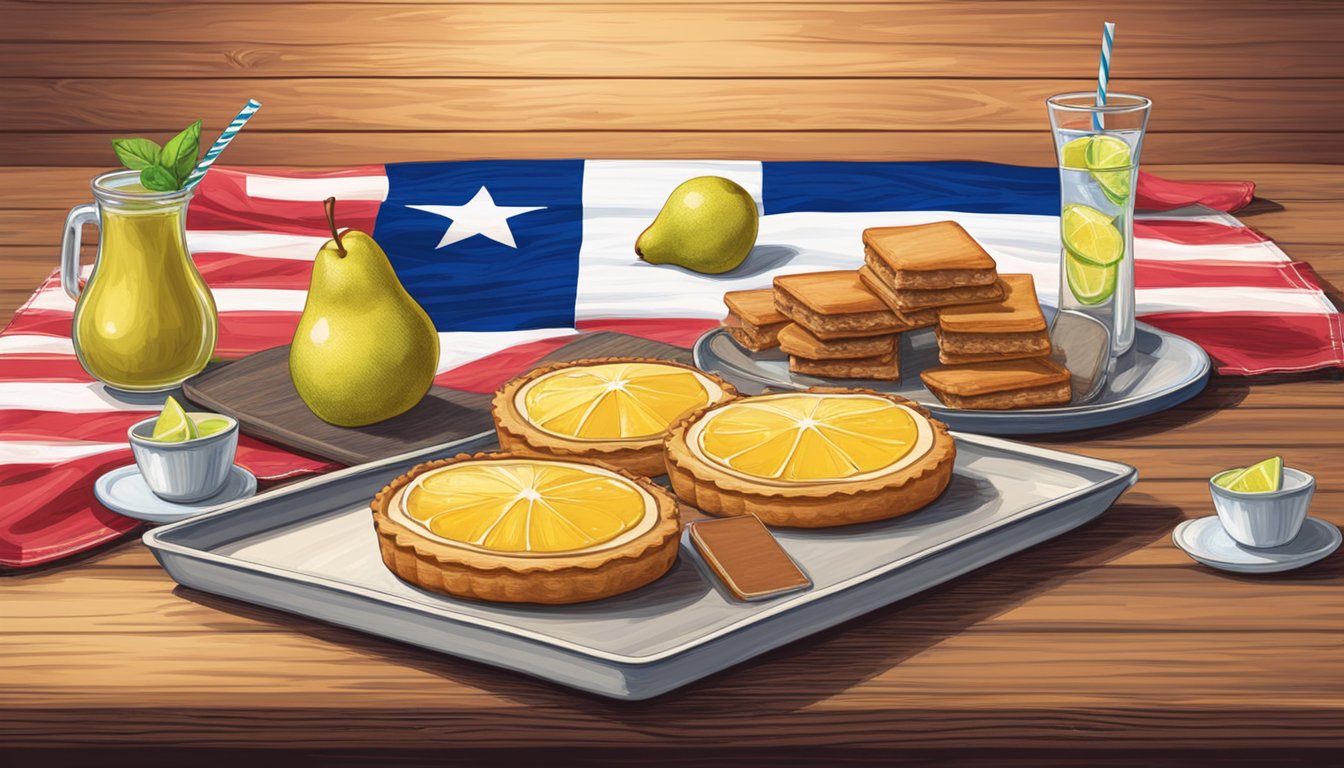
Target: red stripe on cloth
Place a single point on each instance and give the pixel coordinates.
(1248, 343)
(31, 368)
(244, 332)
(1196, 232)
(1155, 193)
(235, 270)
(1222, 274)
(50, 511)
(55, 426)
(679, 331)
(43, 322)
(490, 372)
(222, 203)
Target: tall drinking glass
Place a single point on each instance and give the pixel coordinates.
(1097, 146)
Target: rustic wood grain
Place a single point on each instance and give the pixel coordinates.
(1108, 638)
(772, 39)
(508, 104)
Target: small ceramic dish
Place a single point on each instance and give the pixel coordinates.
(188, 471)
(1207, 541)
(123, 490)
(1266, 519)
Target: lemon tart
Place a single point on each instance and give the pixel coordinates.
(811, 459)
(616, 410)
(518, 529)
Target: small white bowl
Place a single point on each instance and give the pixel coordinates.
(1265, 520)
(187, 471)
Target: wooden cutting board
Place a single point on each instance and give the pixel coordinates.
(257, 391)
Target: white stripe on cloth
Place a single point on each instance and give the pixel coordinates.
(16, 452)
(613, 283)
(226, 300)
(35, 344)
(1280, 301)
(1162, 250)
(63, 396)
(342, 188)
(269, 245)
(457, 348)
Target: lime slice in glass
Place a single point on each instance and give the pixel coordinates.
(1091, 235)
(1264, 477)
(1090, 283)
(173, 424)
(1074, 154)
(209, 425)
(1106, 152)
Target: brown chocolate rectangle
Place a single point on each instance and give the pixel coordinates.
(745, 556)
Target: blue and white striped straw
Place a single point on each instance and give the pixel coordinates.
(223, 141)
(1104, 71)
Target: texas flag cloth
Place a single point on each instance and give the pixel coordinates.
(513, 258)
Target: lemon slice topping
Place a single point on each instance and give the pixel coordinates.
(522, 506)
(613, 400)
(811, 437)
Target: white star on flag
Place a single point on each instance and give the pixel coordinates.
(480, 216)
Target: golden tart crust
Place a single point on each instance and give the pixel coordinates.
(642, 456)
(708, 487)
(430, 563)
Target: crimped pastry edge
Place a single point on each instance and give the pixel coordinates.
(443, 568)
(710, 489)
(518, 435)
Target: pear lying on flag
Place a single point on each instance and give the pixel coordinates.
(708, 225)
(364, 350)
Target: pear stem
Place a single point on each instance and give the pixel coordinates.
(330, 205)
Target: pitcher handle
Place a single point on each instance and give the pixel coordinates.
(71, 243)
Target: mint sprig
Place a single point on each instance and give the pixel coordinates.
(163, 169)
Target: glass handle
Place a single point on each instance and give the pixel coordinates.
(70, 245)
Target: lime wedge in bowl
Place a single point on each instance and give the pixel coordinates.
(1089, 283)
(209, 425)
(174, 425)
(1091, 235)
(1264, 477)
(1101, 155)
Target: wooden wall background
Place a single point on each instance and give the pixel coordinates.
(1237, 84)
(376, 81)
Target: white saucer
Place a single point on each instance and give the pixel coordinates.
(124, 491)
(1205, 540)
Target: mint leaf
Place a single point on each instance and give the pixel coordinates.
(136, 154)
(158, 179)
(179, 154)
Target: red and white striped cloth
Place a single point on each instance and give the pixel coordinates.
(253, 235)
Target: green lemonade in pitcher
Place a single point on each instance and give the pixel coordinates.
(145, 321)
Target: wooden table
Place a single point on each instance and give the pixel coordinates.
(1108, 638)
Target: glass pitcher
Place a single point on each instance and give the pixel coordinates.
(145, 321)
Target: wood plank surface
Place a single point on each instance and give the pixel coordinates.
(508, 104)
(1107, 639)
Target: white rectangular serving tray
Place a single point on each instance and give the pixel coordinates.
(310, 549)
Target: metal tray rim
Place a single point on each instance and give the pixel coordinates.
(154, 539)
(1192, 385)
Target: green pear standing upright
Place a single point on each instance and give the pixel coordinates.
(708, 224)
(364, 350)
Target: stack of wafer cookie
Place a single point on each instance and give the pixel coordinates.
(920, 269)
(996, 355)
(840, 328)
(753, 320)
